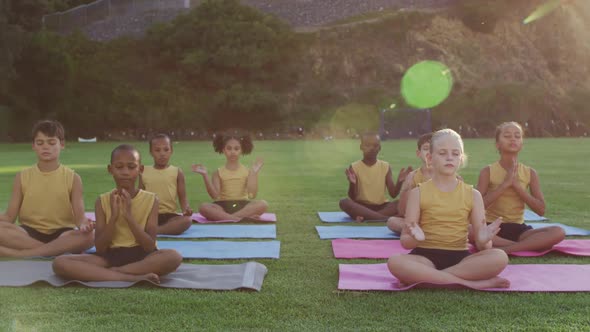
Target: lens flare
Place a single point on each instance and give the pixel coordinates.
(426, 84)
(543, 10)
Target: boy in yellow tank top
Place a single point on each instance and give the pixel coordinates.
(507, 186)
(233, 186)
(168, 183)
(47, 200)
(126, 226)
(368, 179)
(414, 178)
(438, 216)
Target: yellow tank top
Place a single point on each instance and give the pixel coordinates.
(509, 205)
(46, 204)
(141, 207)
(444, 216)
(418, 178)
(371, 181)
(233, 184)
(162, 182)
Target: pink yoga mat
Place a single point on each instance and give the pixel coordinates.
(348, 248)
(523, 278)
(266, 217)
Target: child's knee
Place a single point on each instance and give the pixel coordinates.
(395, 224)
(87, 239)
(497, 257)
(558, 232)
(59, 265)
(172, 258)
(394, 263)
(344, 203)
(186, 222)
(205, 207)
(262, 205)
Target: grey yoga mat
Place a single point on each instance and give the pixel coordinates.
(196, 276)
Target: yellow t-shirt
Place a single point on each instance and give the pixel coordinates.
(233, 184)
(444, 216)
(509, 205)
(162, 182)
(141, 207)
(46, 204)
(371, 182)
(418, 178)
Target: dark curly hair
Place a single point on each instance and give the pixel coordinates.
(221, 139)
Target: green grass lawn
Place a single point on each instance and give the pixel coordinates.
(300, 291)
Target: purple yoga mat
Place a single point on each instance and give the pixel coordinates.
(348, 248)
(266, 217)
(523, 278)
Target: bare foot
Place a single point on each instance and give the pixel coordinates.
(400, 284)
(495, 282)
(359, 219)
(148, 277)
(255, 218)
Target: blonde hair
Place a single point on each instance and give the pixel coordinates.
(503, 125)
(449, 132)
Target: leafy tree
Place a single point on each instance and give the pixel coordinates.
(242, 58)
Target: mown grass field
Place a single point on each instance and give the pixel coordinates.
(300, 291)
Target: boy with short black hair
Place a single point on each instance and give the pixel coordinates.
(368, 179)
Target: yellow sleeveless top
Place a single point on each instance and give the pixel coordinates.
(444, 216)
(509, 205)
(162, 182)
(46, 204)
(233, 184)
(371, 181)
(418, 178)
(141, 207)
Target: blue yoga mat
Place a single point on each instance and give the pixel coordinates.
(221, 249)
(342, 217)
(569, 230)
(532, 216)
(227, 231)
(338, 217)
(355, 232)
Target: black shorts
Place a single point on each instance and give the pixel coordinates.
(512, 231)
(440, 257)
(45, 238)
(375, 207)
(232, 206)
(163, 218)
(124, 255)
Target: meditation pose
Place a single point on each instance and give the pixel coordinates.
(167, 182)
(233, 187)
(438, 214)
(506, 186)
(47, 200)
(368, 178)
(126, 227)
(414, 178)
